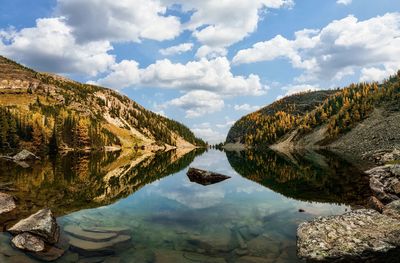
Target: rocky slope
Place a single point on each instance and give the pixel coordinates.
(360, 120)
(40, 111)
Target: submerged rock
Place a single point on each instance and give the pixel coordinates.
(7, 203)
(358, 235)
(28, 242)
(42, 224)
(385, 182)
(89, 235)
(205, 177)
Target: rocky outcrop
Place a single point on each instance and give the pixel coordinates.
(42, 224)
(7, 203)
(392, 209)
(205, 177)
(28, 242)
(385, 182)
(357, 236)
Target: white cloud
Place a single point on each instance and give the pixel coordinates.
(344, 2)
(197, 103)
(50, 46)
(205, 131)
(210, 75)
(246, 107)
(293, 89)
(125, 20)
(124, 74)
(219, 24)
(337, 50)
(375, 74)
(178, 49)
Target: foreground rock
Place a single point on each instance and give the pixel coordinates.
(42, 224)
(28, 242)
(205, 177)
(385, 182)
(7, 203)
(393, 209)
(357, 236)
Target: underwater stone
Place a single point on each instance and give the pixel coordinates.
(26, 241)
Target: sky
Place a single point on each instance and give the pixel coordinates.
(205, 63)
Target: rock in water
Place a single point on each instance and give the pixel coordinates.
(25, 155)
(42, 224)
(204, 177)
(385, 182)
(7, 203)
(356, 236)
(26, 241)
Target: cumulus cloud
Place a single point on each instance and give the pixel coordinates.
(210, 75)
(246, 107)
(375, 74)
(337, 50)
(219, 24)
(293, 89)
(206, 131)
(344, 2)
(197, 103)
(124, 74)
(127, 20)
(50, 46)
(178, 49)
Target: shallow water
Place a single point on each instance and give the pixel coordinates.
(251, 216)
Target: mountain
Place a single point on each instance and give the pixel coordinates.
(360, 118)
(45, 112)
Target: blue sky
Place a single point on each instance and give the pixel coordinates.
(205, 63)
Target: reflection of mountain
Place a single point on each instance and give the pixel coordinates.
(310, 176)
(81, 180)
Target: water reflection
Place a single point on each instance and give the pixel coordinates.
(310, 176)
(252, 217)
(79, 180)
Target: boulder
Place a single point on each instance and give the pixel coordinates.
(392, 209)
(7, 203)
(42, 224)
(28, 242)
(385, 182)
(205, 177)
(25, 155)
(356, 236)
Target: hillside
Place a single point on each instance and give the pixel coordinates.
(44, 112)
(360, 119)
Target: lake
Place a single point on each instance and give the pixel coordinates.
(154, 213)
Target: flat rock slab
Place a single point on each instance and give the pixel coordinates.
(28, 242)
(205, 177)
(78, 232)
(358, 235)
(42, 224)
(97, 246)
(7, 203)
(117, 230)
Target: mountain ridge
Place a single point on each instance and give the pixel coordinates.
(47, 112)
(358, 120)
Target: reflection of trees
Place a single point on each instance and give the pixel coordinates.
(308, 176)
(76, 181)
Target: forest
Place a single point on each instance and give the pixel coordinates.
(340, 111)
